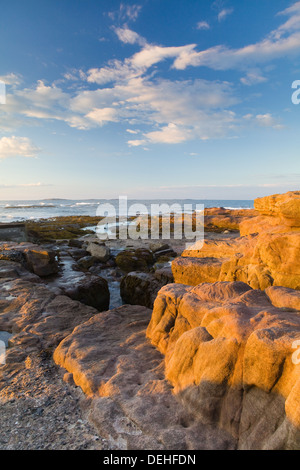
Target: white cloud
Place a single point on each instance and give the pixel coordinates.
(224, 13)
(100, 116)
(128, 36)
(17, 146)
(170, 134)
(170, 111)
(253, 78)
(283, 41)
(203, 25)
(136, 143)
(13, 79)
(267, 120)
(125, 12)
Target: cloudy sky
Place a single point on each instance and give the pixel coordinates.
(149, 99)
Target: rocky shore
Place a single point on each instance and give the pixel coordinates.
(147, 345)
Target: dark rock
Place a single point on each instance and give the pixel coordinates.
(90, 290)
(73, 243)
(99, 250)
(135, 260)
(78, 253)
(141, 288)
(86, 262)
(41, 262)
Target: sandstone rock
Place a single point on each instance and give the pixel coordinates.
(228, 353)
(141, 288)
(13, 270)
(219, 219)
(41, 262)
(164, 275)
(132, 404)
(284, 205)
(90, 290)
(267, 254)
(193, 271)
(284, 297)
(41, 318)
(154, 247)
(77, 253)
(99, 250)
(135, 260)
(74, 243)
(87, 262)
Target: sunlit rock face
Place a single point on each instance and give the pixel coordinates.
(229, 353)
(218, 219)
(266, 254)
(131, 402)
(38, 260)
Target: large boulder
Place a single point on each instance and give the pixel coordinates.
(140, 259)
(285, 205)
(229, 355)
(99, 251)
(41, 262)
(192, 271)
(90, 290)
(138, 288)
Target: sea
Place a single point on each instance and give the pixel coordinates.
(22, 210)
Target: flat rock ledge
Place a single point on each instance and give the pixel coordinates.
(127, 402)
(132, 404)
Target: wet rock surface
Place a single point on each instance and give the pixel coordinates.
(39, 260)
(140, 288)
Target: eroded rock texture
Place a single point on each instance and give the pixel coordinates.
(228, 352)
(267, 253)
(132, 404)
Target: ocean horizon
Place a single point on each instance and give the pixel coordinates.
(31, 209)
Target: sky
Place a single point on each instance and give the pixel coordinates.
(156, 99)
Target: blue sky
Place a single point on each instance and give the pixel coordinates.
(150, 99)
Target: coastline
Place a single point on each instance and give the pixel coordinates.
(146, 307)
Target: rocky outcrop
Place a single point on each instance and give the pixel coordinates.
(267, 254)
(99, 251)
(41, 262)
(90, 290)
(218, 219)
(229, 355)
(135, 260)
(37, 317)
(192, 271)
(38, 260)
(141, 288)
(132, 404)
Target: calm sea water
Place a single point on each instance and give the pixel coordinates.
(11, 211)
